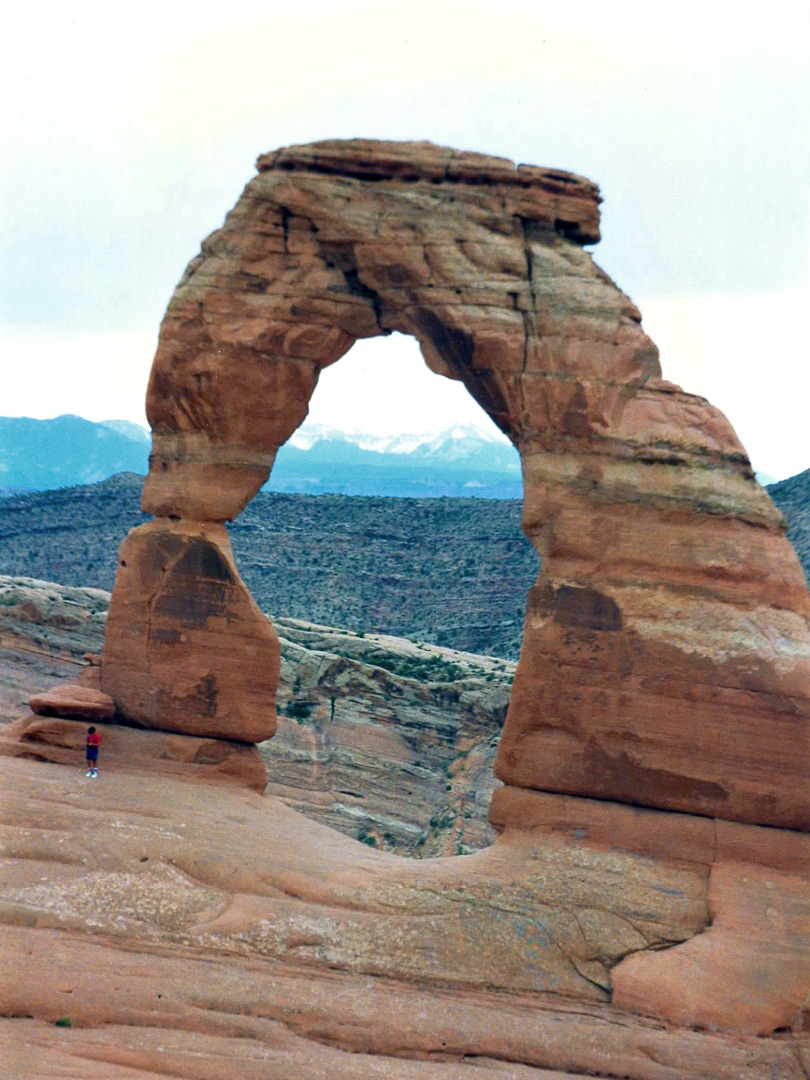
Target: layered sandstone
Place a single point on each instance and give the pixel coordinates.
(186, 647)
(166, 920)
(126, 749)
(200, 930)
(389, 741)
(666, 654)
(197, 927)
(47, 632)
(73, 701)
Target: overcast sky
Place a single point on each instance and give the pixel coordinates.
(130, 131)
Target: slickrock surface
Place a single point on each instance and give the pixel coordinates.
(666, 652)
(128, 749)
(183, 925)
(197, 930)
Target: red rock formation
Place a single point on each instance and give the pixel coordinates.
(666, 656)
(73, 701)
(186, 648)
(200, 930)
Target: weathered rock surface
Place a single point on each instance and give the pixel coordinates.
(126, 749)
(189, 929)
(186, 647)
(666, 654)
(183, 925)
(46, 632)
(387, 740)
(74, 702)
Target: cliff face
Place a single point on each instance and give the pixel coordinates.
(391, 742)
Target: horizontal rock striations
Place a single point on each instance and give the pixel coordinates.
(155, 926)
(390, 741)
(666, 653)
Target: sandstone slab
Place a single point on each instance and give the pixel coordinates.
(737, 974)
(74, 702)
(128, 749)
(181, 925)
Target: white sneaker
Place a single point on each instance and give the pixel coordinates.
(89, 772)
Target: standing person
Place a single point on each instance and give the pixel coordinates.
(93, 743)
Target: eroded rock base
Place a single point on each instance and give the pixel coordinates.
(129, 750)
(183, 928)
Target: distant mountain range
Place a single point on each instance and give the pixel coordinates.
(461, 461)
(42, 454)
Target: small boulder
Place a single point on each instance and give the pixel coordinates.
(73, 702)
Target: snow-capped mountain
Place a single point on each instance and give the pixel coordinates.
(129, 430)
(426, 442)
(462, 460)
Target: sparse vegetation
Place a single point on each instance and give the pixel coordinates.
(298, 710)
(432, 669)
(360, 563)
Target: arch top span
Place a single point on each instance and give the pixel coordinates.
(482, 261)
(550, 197)
(666, 650)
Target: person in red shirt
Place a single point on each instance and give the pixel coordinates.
(93, 743)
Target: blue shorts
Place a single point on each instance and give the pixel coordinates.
(92, 753)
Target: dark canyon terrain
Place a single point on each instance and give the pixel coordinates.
(453, 572)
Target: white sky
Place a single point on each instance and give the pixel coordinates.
(130, 131)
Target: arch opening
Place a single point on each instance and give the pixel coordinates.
(381, 735)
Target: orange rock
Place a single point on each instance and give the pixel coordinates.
(126, 749)
(666, 654)
(186, 647)
(738, 974)
(181, 926)
(73, 701)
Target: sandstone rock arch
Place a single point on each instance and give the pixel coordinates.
(666, 656)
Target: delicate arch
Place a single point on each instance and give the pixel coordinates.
(666, 656)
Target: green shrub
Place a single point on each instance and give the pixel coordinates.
(299, 710)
